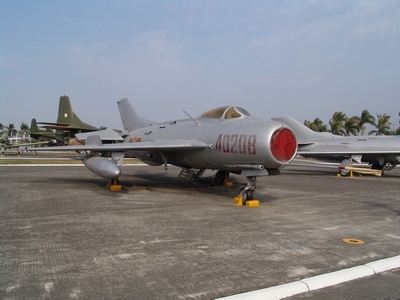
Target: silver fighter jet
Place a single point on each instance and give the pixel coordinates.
(226, 139)
(381, 152)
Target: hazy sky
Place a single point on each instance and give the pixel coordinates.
(303, 59)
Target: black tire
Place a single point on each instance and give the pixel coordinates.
(220, 177)
(246, 196)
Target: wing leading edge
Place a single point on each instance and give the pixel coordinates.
(159, 145)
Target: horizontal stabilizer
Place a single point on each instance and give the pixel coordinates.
(105, 135)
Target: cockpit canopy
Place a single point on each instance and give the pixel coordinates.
(225, 112)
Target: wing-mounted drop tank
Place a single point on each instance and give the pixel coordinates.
(103, 167)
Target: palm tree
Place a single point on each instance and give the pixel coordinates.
(366, 118)
(24, 130)
(24, 127)
(350, 126)
(316, 125)
(2, 126)
(11, 129)
(382, 126)
(336, 123)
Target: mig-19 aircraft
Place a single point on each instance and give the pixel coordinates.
(226, 139)
(380, 152)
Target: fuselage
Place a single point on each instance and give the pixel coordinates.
(236, 144)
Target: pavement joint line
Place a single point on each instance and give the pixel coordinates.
(319, 281)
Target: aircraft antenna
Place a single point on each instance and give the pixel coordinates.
(191, 117)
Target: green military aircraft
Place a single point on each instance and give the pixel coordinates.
(55, 136)
(68, 123)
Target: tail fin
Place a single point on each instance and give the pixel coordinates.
(34, 128)
(67, 117)
(130, 119)
(302, 132)
(65, 113)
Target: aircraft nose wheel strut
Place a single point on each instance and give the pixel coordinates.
(248, 191)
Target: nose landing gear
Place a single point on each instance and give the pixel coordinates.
(246, 194)
(248, 191)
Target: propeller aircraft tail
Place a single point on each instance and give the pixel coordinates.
(34, 128)
(68, 117)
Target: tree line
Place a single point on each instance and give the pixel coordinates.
(12, 130)
(24, 128)
(340, 124)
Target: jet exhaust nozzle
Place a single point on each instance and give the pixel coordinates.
(103, 167)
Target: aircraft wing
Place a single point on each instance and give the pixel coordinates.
(330, 151)
(159, 145)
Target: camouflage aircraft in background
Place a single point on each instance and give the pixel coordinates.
(68, 123)
(53, 136)
(227, 139)
(380, 152)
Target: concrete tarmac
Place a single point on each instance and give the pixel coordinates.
(64, 235)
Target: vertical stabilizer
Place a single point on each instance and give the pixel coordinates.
(34, 128)
(65, 113)
(67, 117)
(130, 119)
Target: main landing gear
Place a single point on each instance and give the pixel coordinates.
(222, 178)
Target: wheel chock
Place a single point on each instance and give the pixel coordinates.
(238, 200)
(227, 183)
(115, 188)
(252, 203)
(114, 185)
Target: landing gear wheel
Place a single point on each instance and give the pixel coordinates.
(220, 177)
(246, 195)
